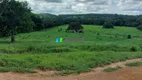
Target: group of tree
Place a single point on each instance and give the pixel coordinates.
(102, 19)
(16, 17)
(51, 20)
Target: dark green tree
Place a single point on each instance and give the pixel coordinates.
(76, 26)
(108, 25)
(37, 19)
(26, 24)
(12, 11)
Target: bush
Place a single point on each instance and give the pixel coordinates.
(134, 64)
(133, 49)
(139, 27)
(129, 37)
(108, 25)
(75, 27)
(59, 30)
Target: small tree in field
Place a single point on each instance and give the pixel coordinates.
(129, 37)
(139, 27)
(75, 26)
(108, 25)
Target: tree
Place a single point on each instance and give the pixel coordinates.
(108, 25)
(139, 27)
(1, 28)
(76, 26)
(26, 24)
(37, 19)
(12, 11)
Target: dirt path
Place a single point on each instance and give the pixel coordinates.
(127, 73)
(122, 64)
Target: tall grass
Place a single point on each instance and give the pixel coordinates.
(74, 62)
(38, 50)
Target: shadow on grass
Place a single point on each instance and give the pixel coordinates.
(5, 42)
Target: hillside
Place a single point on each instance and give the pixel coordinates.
(95, 37)
(39, 50)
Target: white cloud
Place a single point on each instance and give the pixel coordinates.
(86, 6)
(130, 6)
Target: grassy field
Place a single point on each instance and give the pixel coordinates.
(134, 64)
(96, 39)
(38, 50)
(65, 63)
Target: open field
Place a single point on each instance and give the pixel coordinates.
(38, 50)
(96, 39)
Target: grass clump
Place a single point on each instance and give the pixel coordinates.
(110, 69)
(133, 49)
(134, 64)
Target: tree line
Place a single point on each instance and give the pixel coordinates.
(100, 19)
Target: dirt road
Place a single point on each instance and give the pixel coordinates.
(127, 73)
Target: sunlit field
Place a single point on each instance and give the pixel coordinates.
(38, 50)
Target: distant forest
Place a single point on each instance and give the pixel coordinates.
(92, 19)
(99, 19)
(46, 20)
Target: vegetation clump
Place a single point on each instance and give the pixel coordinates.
(129, 37)
(112, 69)
(108, 25)
(134, 64)
(75, 27)
(133, 49)
(139, 27)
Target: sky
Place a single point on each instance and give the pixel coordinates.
(129, 7)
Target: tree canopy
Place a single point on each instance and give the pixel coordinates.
(108, 25)
(76, 26)
(16, 17)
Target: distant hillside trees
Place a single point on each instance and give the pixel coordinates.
(50, 20)
(99, 19)
(75, 27)
(38, 20)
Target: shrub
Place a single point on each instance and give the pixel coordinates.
(139, 27)
(129, 37)
(59, 30)
(134, 64)
(133, 49)
(98, 33)
(108, 25)
(75, 27)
